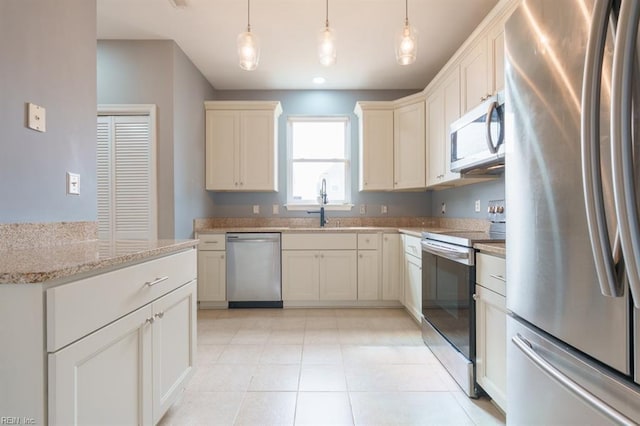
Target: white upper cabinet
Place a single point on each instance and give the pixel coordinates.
(376, 145)
(392, 144)
(474, 75)
(409, 146)
(242, 145)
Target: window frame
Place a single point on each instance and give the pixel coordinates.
(291, 203)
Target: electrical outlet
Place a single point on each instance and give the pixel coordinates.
(477, 206)
(443, 208)
(363, 209)
(383, 209)
(276, 209)
(256, 209)
(73, 183)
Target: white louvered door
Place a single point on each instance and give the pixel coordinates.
(126, 178)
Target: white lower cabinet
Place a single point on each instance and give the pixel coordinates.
(300, 275)
(491, 322)
(129, 372)
(338, 275)
(212, 270)
(369, 275)
(392, 268)
(413, 276)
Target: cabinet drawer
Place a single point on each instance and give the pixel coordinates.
(78, 308)
(490, 272)
(368, 241)
(323, 241)
(211, 241)
(412, 246)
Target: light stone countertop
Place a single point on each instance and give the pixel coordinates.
(414, 231)
(492, 248)
(41, 264)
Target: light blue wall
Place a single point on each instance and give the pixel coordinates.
(47, 57)
(319, 102)
(191, 89)
(158, 72)
(460, 202)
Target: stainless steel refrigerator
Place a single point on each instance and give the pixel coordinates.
(573, 237)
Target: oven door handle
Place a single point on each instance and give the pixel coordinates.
(451, 254)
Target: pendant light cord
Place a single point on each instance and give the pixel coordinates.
(326, 22)
(406, 12)
(248, 16)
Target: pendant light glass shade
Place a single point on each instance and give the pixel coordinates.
(407, 41)
(248, 46)
(248, 50)
(327, 46)
(327, 52)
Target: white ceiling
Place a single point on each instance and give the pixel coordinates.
(206, 30)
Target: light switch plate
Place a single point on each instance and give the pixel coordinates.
(73, 183)
(37, 118)
(383, 209)
(276, 209)
(477, 206)
(256, 209)
(363, 209)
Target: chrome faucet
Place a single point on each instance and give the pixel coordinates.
(323, 201)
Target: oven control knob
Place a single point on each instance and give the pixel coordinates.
(500, 209)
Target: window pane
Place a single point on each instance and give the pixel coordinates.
(307, 178)
(318, 140)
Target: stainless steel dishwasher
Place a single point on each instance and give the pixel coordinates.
(254, 270)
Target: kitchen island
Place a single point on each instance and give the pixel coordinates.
(96, 329)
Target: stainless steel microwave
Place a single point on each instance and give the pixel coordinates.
(477, 138)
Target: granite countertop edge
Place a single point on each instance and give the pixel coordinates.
(40, 265)
(492, 248)
(414, 231)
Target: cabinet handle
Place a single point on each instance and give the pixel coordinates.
(475, 296)
(360, 256)
(156, 281)
(498, 277)
(149, 320)
(159, 314)
(322, 256)
(222, 256)
(315, 255)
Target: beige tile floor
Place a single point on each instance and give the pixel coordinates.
(323, 367)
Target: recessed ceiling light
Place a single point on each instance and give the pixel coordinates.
(319, 80)
(178, 3)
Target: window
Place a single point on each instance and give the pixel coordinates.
(318, 148)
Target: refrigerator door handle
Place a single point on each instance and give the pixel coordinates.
(622, 143)
(527, 348)
(610, 284)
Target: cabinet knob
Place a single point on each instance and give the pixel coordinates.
(360, 256)
(322, 256)
(159, 315)
(149, 320)
(475, 296)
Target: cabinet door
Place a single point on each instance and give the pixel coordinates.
(376, 150)
(338, 275)
(257, 151)
(413, 287)
(435, 136)
(222, 150)
(300, 275)
(491, 344)
(105, 378)
(409, 147)
(495, 47)
(451, 92)
(369, 275)
(174, 346)
(392, 288)
(473, 75)
(211, 276)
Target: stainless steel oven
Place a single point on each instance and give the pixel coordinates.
(448, 308)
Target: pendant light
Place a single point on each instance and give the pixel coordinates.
(327, 42)
(406, 41)
(248, 45)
